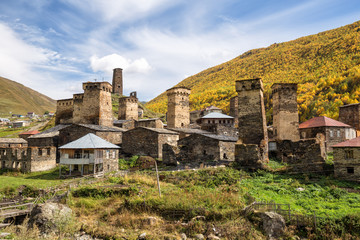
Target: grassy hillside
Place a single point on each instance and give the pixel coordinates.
(16, 98)
(326, 66)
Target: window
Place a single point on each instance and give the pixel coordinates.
(48, 151)
(77, 153)
(338, 133)
(303, 134)
(349, 154)
(204, 152)
(40, 152)
(107, 154)
(350, 170)
(331, 133)
(225, 157)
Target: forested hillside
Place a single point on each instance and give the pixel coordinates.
(326, 66)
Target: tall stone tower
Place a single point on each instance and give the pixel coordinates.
(251, 150)
(97, 105)
(350, 114)
(285, 112)
(178, 113)
(64, 111)
(234, 109)
(117, 81)
(78, 103)
(128, 108)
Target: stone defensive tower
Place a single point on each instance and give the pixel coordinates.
(128, 108)
(251, 149)
(117, 81)
(64, 111)
(97, 105)
(78, 103)
(350, 114)
(178, 113)
(285, 112)
(234, 109)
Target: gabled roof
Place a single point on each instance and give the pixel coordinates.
(30, 132)
(12, 140)
(220, 137)
(51, 132)
(217, 116)
(157, 130)
(101, 128)
(355, 142)
(89, 141)
(188, 130)
(322, 122)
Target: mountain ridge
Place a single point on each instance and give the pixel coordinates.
(19, 99)
(325, 65)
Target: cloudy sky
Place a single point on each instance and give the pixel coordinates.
(54, 45)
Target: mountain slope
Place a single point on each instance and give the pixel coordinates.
(16, 98)
(326, 66)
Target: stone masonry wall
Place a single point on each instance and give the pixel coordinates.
(178, 112)
(285, 112)
(350, 114)
(78, 103)
(128, 108)
(117, 81)
(64, 111)
(28, 159)
(234, 109)
(347, 166)
(111, 163)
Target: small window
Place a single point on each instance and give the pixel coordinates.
(303, 134)
(225, 156)
(338, 133)
(331, 133)
(349, 154)
(204, 152)
(48, 151)
(350, 170)
(40, 152)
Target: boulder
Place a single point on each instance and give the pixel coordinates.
(49, 217)
(273, 224)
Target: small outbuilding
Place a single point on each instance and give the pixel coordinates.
(347, 160)
(148, 141)
(89, 154)
(207, 147)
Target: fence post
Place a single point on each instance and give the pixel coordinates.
(315, 221)
(289, 212)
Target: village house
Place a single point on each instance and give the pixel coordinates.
(19, 124)
(125, 124)
(89, 154)
(206, 148)
(76, 131)
(195, 115)
(148, 141)
(28, 159)
(333, 131)
(347, 160)
(27, 134)
(185, 132)
(218, 123)
(4, 121)
(47, 138)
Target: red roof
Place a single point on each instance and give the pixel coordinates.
(355, 142)
(30, 132)
(322, 122)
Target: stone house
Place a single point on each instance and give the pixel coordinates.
(218, 123)
(27, 134)
(347, 160)
(47, 138)
(150, 123)
(333, 131)
(185, 132)
(28, 159)
(13, 142)
(206, 148)
(76, 131)
(148, 141)
(19, 124)
(195, 115)
(89, 154)
(125, 124)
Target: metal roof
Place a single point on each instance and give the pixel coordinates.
(89, 141)
(216, 115)
(322, 122)
(51, 132)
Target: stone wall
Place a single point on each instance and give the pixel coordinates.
(28, 159)
(77, 108)
(303, 156)
(234, 109)
(64, 111)
(110, 163)
(251, 150)
(128, 108)
(178, 112)
(347, 163)
(117, 81)
(220, 129)
(350, 114)
(285, 112)
(151, 123)
(142, 141)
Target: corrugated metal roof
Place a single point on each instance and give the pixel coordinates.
(216, 115)
(355, 142)
(89, 141)
(322, 122)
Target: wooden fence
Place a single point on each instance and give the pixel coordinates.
(290, 216)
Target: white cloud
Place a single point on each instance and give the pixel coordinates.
(108, 63)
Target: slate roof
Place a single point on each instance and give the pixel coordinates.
(148, 119)
(220, 137)
(100, 128)
(188, 130)
(355, 142)
(51, 132)
(216, 115)
(322, 122)
(89, 141)
(158, 130)
(12, 140)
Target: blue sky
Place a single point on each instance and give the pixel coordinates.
(54, 45)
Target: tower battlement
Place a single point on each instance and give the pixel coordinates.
(249, 84)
